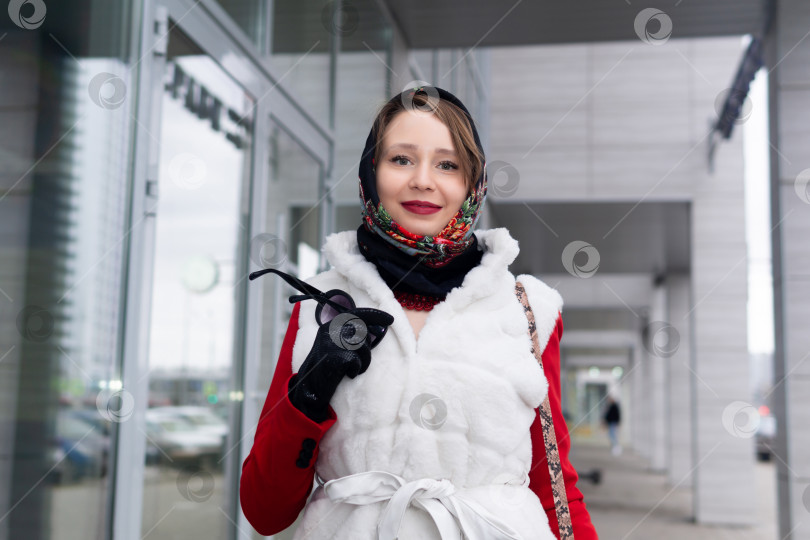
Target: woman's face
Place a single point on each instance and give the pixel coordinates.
(419, 180)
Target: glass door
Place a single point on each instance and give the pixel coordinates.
(237, 168)
(204, 169)
(291, 239)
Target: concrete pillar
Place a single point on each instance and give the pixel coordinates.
(658, 341)
(788, 57)
(723, 450)
(679, 396)
(628, 406)
(634, 379)
(641, 379)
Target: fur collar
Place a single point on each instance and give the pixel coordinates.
(500, 250)
(491, 277)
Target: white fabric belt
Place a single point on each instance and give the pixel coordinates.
(452, 513)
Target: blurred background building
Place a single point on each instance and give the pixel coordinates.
(154, 152)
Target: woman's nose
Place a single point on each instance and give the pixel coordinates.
(423, 177)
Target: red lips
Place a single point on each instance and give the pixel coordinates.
(421, 207)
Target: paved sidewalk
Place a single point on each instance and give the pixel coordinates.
(632, 503)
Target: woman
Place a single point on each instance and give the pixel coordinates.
(436, 432)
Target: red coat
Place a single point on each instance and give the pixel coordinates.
(274, 489)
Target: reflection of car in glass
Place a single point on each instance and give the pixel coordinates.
(204, 419)
(94, 418)
(765, 437)
(80, 449)
(179, 442)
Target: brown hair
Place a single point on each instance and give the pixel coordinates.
(461, 133)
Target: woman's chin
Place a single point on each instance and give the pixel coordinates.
(421, 227)
(422, 230)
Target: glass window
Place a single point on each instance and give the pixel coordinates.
(204, 167)
(252, 17)
(291, 239)
(65, 147)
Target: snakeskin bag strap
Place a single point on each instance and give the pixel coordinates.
(550, 438)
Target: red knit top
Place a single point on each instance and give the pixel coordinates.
(274, 489)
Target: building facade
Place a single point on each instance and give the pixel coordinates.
(154, 152)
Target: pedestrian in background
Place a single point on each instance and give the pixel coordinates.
(612, 418)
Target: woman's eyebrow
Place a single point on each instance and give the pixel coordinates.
(414, 147)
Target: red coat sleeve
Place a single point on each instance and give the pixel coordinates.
(539, 478)
(278, 474)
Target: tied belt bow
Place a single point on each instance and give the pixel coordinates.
(453, 514)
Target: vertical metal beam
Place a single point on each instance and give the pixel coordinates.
(787, 49)
(130, 442)
(326, 180)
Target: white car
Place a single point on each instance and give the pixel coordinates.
(179, 442)
(202, 418)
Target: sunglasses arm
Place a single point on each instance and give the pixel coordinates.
(296, 283)
(309, 291)
(321, 299)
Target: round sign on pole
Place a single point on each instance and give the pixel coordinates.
(200, 274)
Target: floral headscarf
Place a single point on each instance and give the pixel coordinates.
(456, 237)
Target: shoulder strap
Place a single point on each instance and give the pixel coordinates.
(549, 437)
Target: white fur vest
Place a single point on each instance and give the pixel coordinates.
(457, 403)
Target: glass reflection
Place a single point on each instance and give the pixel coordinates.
(65, 118)
(204, 148)
(291, 242)
(252, 18)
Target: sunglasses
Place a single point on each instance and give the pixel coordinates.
(336, 304)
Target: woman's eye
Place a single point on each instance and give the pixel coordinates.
(400, 160)
(448, 165)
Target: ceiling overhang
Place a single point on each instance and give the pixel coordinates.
(484, 23)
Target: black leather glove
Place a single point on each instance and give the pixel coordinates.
(342, 345)
(313, 386)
